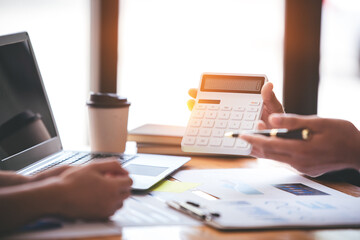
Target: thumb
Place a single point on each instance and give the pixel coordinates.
(190, 103)
(192, 92)
(269, 99)
(292, 121)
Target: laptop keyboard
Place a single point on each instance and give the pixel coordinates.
(80, 158)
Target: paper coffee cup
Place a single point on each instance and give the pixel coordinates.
(108, 118)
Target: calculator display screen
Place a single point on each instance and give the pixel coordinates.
(235, 84)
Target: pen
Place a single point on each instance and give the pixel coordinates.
(192, 209)
(301, 134)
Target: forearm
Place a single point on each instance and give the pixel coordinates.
(24, 203)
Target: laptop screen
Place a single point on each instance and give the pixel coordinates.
(26, 121)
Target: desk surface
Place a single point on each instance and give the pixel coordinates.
(204, 232)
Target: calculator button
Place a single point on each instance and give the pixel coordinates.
(213, 107)
(229, 142)
(208, 123)
(234, 125)
(200, 107)
(252, 109)
(226, 108)
(241, 143)
(254, 103)
(192, 131)
(205, 132)
(215, 142)
(247, 125)
(202, 141)
(211, 115)
(199, 114)
(239, 109)
(250, 116)
(218, 133)
(195, 123)
(236, 116)
(224, 115)
(189, 141)
(221, 124)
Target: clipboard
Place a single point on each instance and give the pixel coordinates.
(313, 212)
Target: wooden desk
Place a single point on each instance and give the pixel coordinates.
(204, 232)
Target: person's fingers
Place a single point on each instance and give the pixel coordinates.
(260, 153)
(192, 92)
(51, 172)
(60, 169)
(119, 205)
(190, 104)
(124, 195)
(261, 125)
(293, 121)
(120, 172)
(270, 101)
(107, 166)
(270, 144)
(256, 152)
(122, 182)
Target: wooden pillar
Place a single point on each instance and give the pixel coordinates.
(104, 45)
(301, 56)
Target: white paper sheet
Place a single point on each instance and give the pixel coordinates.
(149, 211)
(242, 183)
(138, 210)
(282, 213)
(271, 198)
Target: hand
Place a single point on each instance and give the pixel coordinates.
(271, 104)
(191, 102)
(52, 172)
(334, 145)
(94, 191)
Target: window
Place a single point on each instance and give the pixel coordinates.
(165, 46)
(59, 32)
(340, 61)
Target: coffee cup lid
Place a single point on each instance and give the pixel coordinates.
(107, 100)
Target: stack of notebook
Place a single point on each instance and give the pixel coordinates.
(163, 139)
(158, 139)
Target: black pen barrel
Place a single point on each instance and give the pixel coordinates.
(301, 134)
(292, 134)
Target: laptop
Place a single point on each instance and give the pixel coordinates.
(29, 139)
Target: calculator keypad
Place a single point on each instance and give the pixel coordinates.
(209, 123)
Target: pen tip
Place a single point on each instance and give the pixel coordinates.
(228, 134)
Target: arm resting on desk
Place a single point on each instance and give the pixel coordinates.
(23, 203)
(91, 192)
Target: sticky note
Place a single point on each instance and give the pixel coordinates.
(174, 187)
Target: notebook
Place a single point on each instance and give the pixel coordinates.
(29, 139)
(157, 134)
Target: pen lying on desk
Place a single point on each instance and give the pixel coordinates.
(301, 134)
(192, 209)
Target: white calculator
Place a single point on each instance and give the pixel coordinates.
(224, 103)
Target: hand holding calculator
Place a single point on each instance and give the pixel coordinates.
(224, 102)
